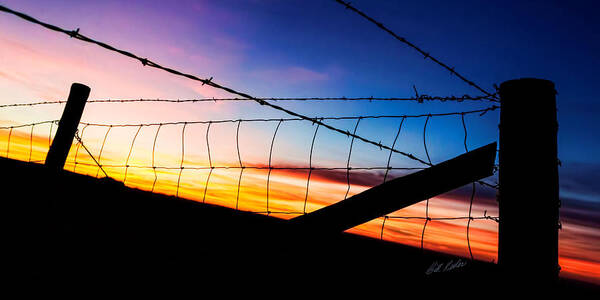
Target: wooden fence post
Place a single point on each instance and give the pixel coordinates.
(57, 154)
(528, 178)
(400, 192)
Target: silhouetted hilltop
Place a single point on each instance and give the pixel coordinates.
(77, 229)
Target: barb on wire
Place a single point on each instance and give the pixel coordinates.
(426, 55)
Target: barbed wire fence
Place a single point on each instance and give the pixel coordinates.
(318, 121)
(419, 98)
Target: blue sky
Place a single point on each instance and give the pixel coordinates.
(325, 50)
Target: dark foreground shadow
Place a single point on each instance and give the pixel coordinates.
(72, 230)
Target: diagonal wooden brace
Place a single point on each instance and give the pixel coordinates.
(401, 192)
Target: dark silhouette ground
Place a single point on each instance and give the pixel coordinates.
(68, 229)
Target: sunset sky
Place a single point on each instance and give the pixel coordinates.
(307, 49)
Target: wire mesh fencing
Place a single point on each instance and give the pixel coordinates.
(197, 170)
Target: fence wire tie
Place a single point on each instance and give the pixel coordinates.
(419, 99)
(89, 153)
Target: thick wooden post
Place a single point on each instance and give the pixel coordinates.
(400, 192)
(528, 177)
(57, 155)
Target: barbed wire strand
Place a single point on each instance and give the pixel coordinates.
(209, 82)
(420, 99)
(426, 55)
